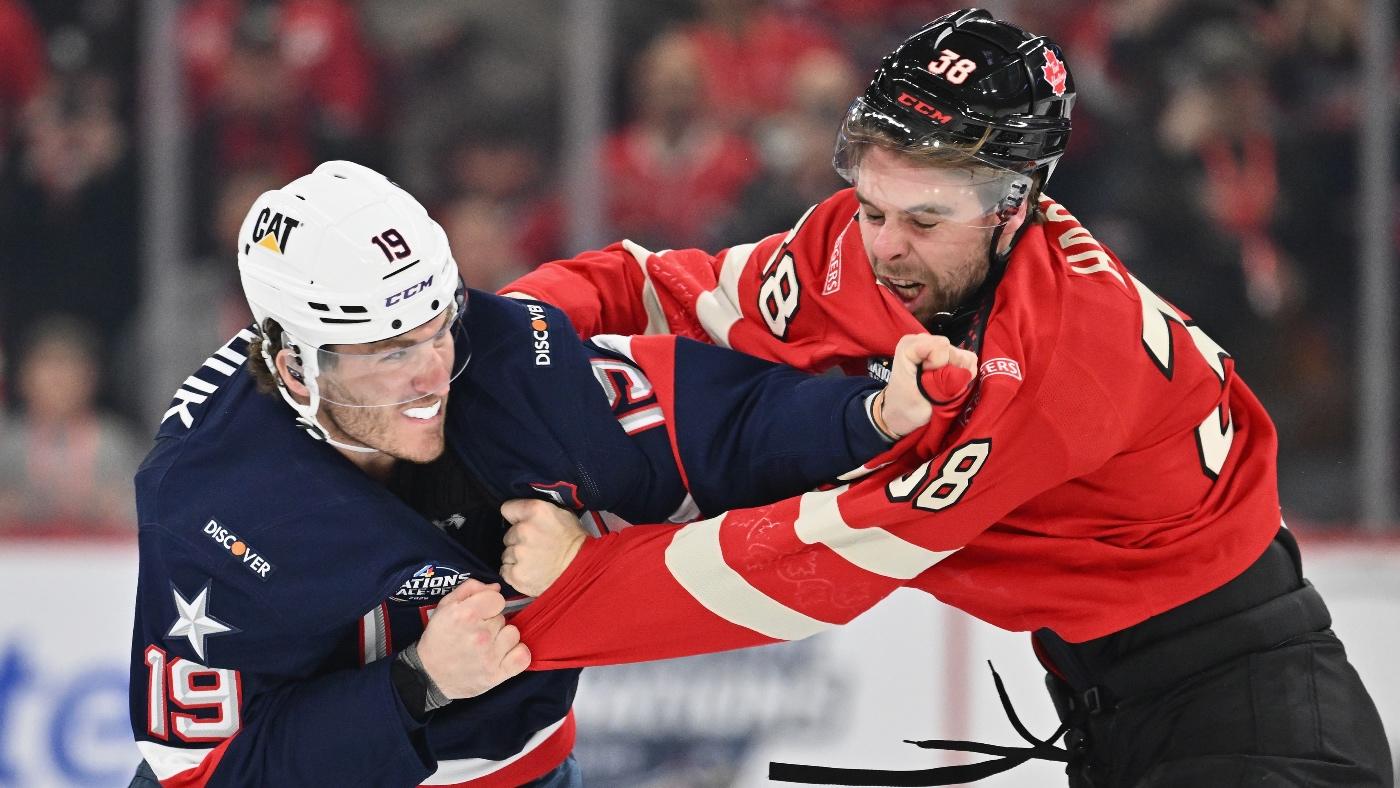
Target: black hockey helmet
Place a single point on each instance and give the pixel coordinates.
(970, 83)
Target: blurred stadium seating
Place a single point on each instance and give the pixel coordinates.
(1216, 150)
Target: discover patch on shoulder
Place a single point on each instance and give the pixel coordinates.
(239, 549)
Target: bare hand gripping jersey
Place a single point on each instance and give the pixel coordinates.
(277, 580)
(1109, 465)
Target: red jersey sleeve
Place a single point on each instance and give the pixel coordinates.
(788, 297)
(602, 292)
(760, 575)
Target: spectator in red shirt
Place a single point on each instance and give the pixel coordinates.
(318, 41)
(673, 173)
(795, 147)
(747, 52)
(279, 85)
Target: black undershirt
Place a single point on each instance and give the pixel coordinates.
(446, 493)
(452, 498)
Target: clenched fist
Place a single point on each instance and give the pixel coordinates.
(921, 360)
(467, 647)
(541, 542)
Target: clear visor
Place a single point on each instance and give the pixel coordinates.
(932, 180)
(412, 366)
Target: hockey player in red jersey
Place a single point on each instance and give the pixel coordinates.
(1109, 485)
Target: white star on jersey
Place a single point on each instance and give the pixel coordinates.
(193, 621)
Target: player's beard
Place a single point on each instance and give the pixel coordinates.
(945, 288)
(379, 428)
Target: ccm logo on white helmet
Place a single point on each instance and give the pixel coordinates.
(272, 231)
(409, 292)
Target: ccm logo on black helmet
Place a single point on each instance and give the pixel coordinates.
(927, 111)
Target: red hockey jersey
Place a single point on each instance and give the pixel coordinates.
(1109, 465)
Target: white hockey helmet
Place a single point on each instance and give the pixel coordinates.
(343, 256)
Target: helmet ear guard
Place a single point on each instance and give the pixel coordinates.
(268, 333)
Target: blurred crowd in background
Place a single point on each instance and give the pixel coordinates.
(1214, 149)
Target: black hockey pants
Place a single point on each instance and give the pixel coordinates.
(1245, 686)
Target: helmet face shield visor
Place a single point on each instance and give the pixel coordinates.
(931, 178)
(395, 371)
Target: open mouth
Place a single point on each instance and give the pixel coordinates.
(906, 289)
(427, 413)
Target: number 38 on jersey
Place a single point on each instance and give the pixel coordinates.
(946, 487)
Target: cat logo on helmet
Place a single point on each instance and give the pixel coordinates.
(1055, 72)
(272, 231)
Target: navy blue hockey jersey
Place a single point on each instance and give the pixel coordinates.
(276, 579)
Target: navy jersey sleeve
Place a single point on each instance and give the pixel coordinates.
(234, 676)
(744, 431)
(671, 431)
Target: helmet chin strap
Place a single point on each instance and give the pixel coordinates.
(306, 414)
(952, 323)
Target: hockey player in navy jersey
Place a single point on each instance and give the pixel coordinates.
(319, 599)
